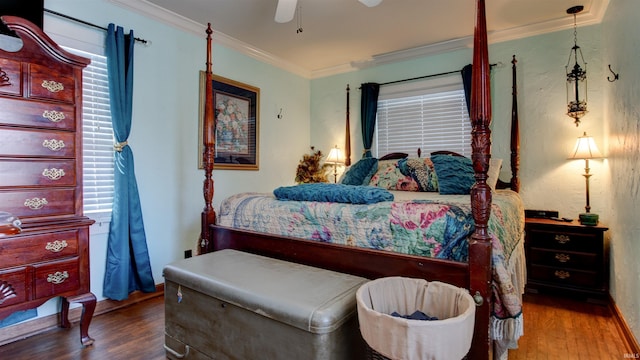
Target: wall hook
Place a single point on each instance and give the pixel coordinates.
(615, 76)
(279, 116)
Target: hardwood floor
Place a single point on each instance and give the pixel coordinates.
(132, 333)
(555, 328)
(562, 328)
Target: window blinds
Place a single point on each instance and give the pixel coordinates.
(431, 115)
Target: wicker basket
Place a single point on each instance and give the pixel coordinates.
(399, 338)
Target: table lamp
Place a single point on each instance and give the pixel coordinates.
(586, 149)
(335, 157)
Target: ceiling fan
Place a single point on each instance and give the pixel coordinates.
(287, 8)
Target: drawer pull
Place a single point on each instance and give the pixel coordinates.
(563, 258)
(52, 86)
(4, 80)
(6, 291)
(53, 116)
(53, 144)
(53, 173)
(562, 239)
(56, 246)
(561, 274)
(58, 277)
(35, 203)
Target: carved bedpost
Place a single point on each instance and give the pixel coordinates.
(347, 136)
(208, 155)
(480, 241)
(515, 131)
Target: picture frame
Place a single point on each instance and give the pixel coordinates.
(236, 113)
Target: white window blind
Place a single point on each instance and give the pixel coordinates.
(97, 136)
(431, 115)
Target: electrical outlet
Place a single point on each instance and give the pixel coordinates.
(187, 254)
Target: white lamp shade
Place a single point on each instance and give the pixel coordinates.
(335, 156)
(585, 149)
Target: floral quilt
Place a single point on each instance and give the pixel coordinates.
(427, 224)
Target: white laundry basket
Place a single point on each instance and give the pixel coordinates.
(447, 338)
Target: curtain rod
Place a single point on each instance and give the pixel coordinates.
(428, 76)
(143, 41)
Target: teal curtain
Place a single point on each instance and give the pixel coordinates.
(368, 113)
(128, 267)
(466, 83)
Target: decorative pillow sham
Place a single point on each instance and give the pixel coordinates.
(340, 193)
(455, 174)
(390, 177)
(361, 172)
(494, 172)
(422, 171)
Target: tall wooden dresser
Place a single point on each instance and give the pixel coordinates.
(41, 177)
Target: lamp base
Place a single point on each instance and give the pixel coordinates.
(588, 219)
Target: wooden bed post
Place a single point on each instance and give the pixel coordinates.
(208, 154)
(515, 130)
(480, 241)
(347, 136)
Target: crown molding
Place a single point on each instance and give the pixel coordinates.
(178, 21)
(593, 16)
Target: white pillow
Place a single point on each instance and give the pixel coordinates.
(494, 172)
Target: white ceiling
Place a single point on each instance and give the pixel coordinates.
(339, 35)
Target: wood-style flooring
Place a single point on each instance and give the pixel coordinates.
(555, 328)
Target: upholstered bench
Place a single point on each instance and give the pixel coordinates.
(234, 305)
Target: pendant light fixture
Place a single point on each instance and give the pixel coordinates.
(576, 69)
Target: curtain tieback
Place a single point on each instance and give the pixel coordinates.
(120, 145)
(365, 151)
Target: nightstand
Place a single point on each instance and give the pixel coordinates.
(567, 258)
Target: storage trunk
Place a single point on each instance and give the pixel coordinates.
(234, 305)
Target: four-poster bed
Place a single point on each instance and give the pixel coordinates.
(475, 274)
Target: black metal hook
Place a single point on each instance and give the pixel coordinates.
(615, 76)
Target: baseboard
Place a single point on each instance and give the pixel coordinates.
(625, 330)
(26, 329)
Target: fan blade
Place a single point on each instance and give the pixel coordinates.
(371, 3)
(285, 10)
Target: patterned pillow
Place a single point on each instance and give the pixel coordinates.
(361, 172)
(422, 171)
(455, 174)
(390, 177)
(494, 172)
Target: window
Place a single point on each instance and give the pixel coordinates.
(97, 137)
(431, 115)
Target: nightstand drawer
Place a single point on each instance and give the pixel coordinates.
(565, 259)
(564, 241)
(564, 276)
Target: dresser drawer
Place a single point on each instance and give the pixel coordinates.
(564, 259)
(20, 142)
(37, 114)
(57, 277)
(30, 173)
(10, 77)
(571, 277)
(37, 203)
(24, 250)
(564, 241)
(13, 286)
(44, 84)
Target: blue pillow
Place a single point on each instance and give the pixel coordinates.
(340, 193)
(361, 172)
(455, 174)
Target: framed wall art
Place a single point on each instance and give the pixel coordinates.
(236, 110)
